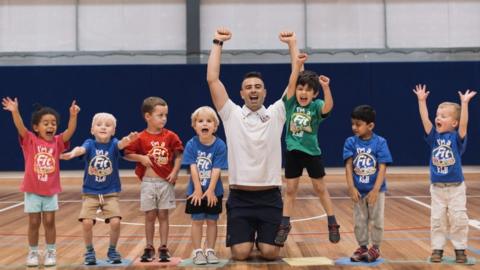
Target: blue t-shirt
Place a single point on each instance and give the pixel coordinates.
(206, 157)
(446, 161)
(101, 167)
(367, 155)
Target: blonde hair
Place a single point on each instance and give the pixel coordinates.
(455, 106)
(104, 116)
(208, 110)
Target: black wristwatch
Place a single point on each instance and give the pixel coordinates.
(218, 42)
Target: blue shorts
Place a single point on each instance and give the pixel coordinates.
(38, 203)
(253, 216)
(203, 216)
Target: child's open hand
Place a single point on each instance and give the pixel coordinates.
(467, 96)
(172, 178)
(354, 194)
(196, 197)
(421, 92)
(287, 37)
(372, 197)
(74, 109)
(66, 156)
(145, 160)
(324, 80)
(133, 136)
(223, 34)
(211, 198)
(10, 104)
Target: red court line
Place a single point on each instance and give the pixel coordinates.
(398, 229)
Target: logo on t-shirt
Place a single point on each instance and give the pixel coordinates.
(300, 122)
(442, 156)
(364, 165)
(100, 166)
(159, 153)
(43, 163)
(204, 166)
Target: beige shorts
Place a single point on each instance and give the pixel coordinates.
(106, 206)
(156, 193)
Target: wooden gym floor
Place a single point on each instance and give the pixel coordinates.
(406, 242)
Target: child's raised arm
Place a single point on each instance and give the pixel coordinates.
(292, 82)
(465, 99)
(327, 94)
(291, 39)
(72, 122)
(217, 89)
(12, 106)
(422, 94)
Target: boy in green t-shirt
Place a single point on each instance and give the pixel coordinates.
(304, 115)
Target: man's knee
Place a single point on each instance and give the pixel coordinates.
(269, 252)
(241, 252)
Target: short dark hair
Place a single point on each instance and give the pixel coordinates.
(252, 74)
(310, 78)
(39, 111)
(364, 113)
(149, 104)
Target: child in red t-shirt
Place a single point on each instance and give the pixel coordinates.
(158, 153)
(41, 183)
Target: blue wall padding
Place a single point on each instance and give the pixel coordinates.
(120, 89)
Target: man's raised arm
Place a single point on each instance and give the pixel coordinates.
(217, 89)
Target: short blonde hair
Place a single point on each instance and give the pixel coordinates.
(208, 110)
(104, 116)
(456, 108)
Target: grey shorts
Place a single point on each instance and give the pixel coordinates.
(156, 193)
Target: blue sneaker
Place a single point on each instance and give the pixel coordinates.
(113, 256)
(90, 258)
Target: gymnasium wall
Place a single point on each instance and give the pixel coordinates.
(121, 89)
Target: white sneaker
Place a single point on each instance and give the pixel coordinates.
(198, 257)
(32, 258)
(211, 257)
(50, 258)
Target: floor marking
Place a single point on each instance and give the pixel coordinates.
(10, 207)
(472, 222)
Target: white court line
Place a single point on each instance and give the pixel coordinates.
(472, 222)
(10, 207)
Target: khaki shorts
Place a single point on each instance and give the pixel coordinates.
(156, 193)
(107, 204)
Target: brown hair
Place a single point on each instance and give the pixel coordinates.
(149, 104)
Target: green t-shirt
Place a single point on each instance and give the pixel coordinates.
(302, 125)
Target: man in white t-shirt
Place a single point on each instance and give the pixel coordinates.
(254, 206)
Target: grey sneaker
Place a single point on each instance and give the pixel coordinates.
(32, 258)
(198, 257)
(211, 257)
(50, 258)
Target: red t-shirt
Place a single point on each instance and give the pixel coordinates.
(42, 164)
(160, 148)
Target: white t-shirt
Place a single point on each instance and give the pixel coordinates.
(254, 143)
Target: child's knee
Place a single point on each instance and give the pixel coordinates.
(163, 214)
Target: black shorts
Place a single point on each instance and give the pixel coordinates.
(296, 160)
(253, 216)
(203, 207)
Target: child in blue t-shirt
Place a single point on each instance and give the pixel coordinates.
(206, 156)
(101, 182)
(366, 156)
(448, 191)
